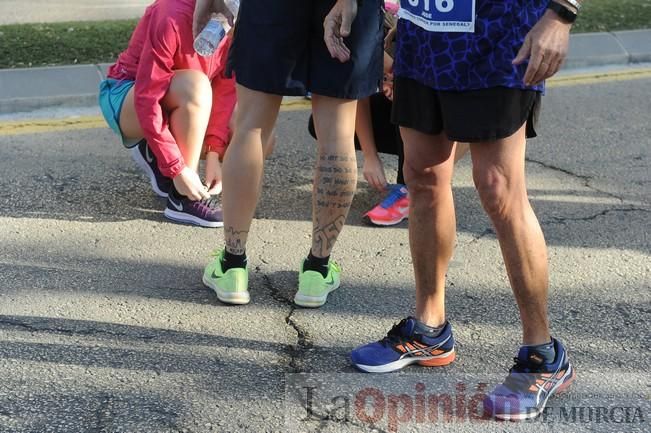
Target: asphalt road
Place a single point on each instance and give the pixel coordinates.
(106, 327)
(34, 11)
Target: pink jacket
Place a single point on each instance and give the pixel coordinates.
(160, 44)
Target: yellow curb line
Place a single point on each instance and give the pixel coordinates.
(295, 104)
(603, 77)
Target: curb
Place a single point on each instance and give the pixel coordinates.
(606, 49)
(77, 86)
(34, 88)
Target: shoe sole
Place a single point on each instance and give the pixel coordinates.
(314, 301)
(372, 222)
(135, 154)
(182, 217)
(238, 298)
(559, 389)
(441, 360)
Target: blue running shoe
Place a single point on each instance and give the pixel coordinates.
(403, 346)
(529, 385)
(147, 162)
(392, 210)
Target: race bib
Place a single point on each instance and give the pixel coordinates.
(440, 15)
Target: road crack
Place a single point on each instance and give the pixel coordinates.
(563, 220)
(586, 180)
(296, 352)
(42, 326)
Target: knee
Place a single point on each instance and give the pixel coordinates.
(194, 90)
(497, 191)
(425, 179)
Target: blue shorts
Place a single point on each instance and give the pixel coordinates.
(111, 97)
(278, 48)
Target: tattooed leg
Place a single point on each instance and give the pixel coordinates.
(335, 177)
(235, 240)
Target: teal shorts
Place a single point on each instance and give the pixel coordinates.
(112, 94)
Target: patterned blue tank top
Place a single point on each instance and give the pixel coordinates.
(460, 61)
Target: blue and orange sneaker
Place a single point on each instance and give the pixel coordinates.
(392, 209)
(403, 346)
(529, 385)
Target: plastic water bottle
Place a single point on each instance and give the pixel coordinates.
(208, 40)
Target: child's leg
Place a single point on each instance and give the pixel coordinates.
(335, 177)
(243, 164)
(188, 102)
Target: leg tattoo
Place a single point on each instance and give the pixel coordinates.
(235, 240)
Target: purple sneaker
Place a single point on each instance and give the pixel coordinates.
(147, 162)
(204, 213)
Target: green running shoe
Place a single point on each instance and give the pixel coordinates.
(231, 286)
(313, 289)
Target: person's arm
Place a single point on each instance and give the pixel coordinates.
(546, 45)
(203, 10)
(219, 132)
(373, 169)
(153, 80)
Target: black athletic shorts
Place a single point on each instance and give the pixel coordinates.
(278, 48)
(470, 116)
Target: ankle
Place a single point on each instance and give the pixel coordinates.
(317, 264)
(231, 261)
(434, 320)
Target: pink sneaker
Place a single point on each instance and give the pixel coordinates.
(392, 210)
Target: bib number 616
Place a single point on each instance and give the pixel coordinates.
(441, 5)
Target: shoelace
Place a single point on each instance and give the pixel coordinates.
(206, 205)
(521, 376)
(394, 336)
(212, 202)
(395, 195)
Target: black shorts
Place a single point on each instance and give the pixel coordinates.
(470, 116)
(278, 48)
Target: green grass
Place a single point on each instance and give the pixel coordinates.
(611, 15)
(25, 45)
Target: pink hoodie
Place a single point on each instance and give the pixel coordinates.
(160, 44)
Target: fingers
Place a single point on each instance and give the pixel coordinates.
(377, 184)
(546, 46)
(346, 24)
(187, 183)
(203, 192)
(388, 39)
(524, 52)
(201, 16)
(336, 26)
(535, 65)
(543, 65)
(330, 38)
(376, 181)
(334, 42)
(215, 188)
(540, 74)
(196, 193)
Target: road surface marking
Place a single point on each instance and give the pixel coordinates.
(38, 126)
